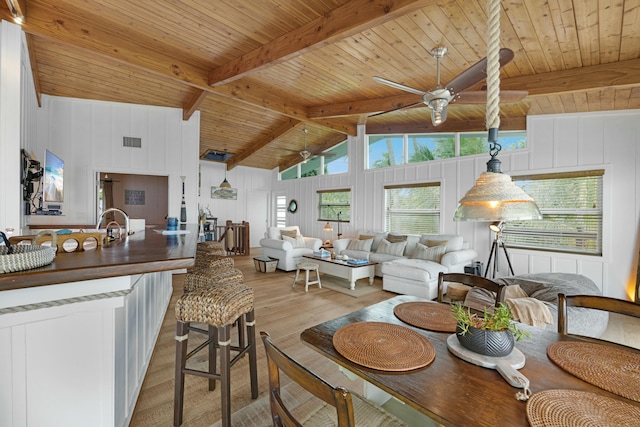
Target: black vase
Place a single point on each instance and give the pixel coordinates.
(488, 343)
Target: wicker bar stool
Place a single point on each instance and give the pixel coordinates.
(219, 307)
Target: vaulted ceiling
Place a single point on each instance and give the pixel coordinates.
(262, 71)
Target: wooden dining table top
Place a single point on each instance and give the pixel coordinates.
(450, 390)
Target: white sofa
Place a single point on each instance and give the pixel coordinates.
(288, 256)
(405, 273)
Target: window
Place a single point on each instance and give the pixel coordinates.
(413, 208)
(476, 143)
(281, 211)
(335, 161)
(571, 207)
(391, 150)
(334, 202)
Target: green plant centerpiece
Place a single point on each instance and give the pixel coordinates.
(493, 334)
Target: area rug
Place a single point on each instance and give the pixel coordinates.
(342, 285)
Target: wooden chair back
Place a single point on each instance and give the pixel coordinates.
(278, 361)
(471, 280)
(612, 305)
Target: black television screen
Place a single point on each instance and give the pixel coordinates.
(53, 181)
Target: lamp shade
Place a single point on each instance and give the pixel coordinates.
(494, 197)
(327, 227)
(225, 184)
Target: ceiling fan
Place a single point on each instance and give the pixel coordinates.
(306, 154)
(438, 98)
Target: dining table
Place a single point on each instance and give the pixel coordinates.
(450, 390)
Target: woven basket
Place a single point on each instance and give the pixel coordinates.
(26, 257)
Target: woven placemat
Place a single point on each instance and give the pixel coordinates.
(426, 315)
(552, 408)
(383, 346)
(605, 366)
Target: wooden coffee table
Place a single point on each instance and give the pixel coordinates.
(344, 270)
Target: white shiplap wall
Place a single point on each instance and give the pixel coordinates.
(606, 140)
(87, 135)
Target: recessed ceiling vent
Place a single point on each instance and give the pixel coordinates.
(130, 141)
(216, 156)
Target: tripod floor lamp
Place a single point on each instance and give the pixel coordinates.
(497, 227)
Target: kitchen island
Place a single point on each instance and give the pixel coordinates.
(76, 336)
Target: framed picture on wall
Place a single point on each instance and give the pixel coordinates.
(224, 193)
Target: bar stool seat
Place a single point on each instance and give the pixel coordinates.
(219, 306)
(307, 267)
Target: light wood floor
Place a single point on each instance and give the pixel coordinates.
(282, 311)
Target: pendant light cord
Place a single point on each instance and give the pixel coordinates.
(493, 79)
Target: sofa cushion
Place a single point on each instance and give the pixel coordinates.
(377, 237)
(356, 254)
(415, 269)
(382, 258)
(360, 245)
(388, 248)
(296, 242)
(454, 241)
(429, 253)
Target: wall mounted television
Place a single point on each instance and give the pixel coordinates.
(53, 178)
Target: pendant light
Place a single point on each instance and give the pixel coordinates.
(495, 197)
(225, 184)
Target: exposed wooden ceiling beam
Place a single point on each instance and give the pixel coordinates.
(193, 103)
(96, 41)
(329, 142)
(285, 127)
(349, 19)
(616, 74)
(362, 107)
(507, 123)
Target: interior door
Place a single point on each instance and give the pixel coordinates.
(257, 215)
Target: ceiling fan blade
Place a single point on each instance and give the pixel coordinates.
(398, 86)
(396, 109)
(477, 73)
(480, 96)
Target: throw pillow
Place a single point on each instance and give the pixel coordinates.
(289, 233)
(296, 242)
(388, 248)
(360, 245)
(395, 238)
(366, 237)
(429, 254)
(432, 243)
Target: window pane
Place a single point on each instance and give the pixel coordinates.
(281, 211)
(333, 202)
(385, 150)
(311, 168)
(339, 163)
(476, 143)
(414, 210)
(431, 147)
(571, 208)
(291, 173)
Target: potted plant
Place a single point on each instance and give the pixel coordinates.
(492, 334)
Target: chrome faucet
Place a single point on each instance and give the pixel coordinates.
(124, 214)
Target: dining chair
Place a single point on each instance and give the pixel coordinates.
(611, 305)
(348, 408)
(473, 281)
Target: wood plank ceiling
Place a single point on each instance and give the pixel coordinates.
(261, 71)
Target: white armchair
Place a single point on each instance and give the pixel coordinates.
(288, 251)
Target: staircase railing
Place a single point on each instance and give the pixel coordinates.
(235, 237)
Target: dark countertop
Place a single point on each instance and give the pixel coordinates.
(139, 253)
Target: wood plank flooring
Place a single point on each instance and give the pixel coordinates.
(282, 311)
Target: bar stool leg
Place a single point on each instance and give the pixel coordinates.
(318, 277)
(253, 358)
(225, 374)
(306, 282)
(213, 354)
(296, 279)
(182, 334)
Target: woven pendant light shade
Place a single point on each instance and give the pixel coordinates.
(495, 197)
